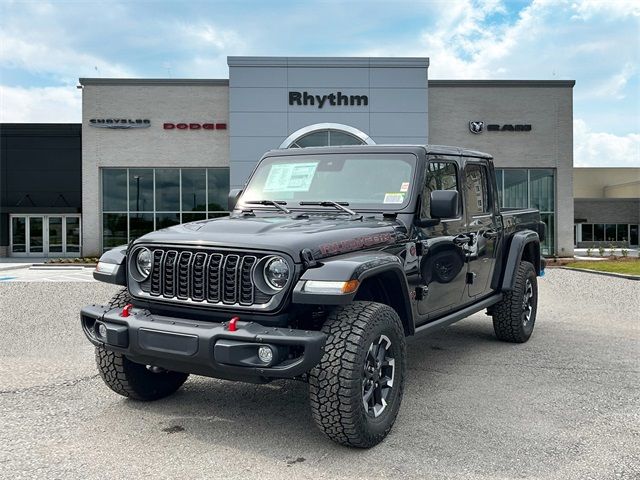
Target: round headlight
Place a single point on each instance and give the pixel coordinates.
(276, 273)
(143, 262)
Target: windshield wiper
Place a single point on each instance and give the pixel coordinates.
(276, 203)
(338, 205)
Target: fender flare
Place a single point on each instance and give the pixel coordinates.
(115, 256)
(521, 241)
(360, 266)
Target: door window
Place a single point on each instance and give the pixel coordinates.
(476, 196)
(440, 176)
(55, 234)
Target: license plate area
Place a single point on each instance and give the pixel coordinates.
(167, 342)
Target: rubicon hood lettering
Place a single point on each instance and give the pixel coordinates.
(351, 245)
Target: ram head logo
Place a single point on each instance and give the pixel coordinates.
(476, 127)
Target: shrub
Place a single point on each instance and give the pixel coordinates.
(589, 252)
(601, 250)
(612, 250)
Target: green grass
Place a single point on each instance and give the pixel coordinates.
(629, 266)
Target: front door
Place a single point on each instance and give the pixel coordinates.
(442, 265)
(482, 228)
(45, 235)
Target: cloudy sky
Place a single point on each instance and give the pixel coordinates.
(45, 46)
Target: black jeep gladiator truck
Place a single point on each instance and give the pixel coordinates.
(329, 259)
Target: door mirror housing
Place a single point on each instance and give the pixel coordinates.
(444, 204)
(234, 195)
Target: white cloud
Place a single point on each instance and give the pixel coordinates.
(41, 105)
(613, 87)
(56, 59)
(588, 9)
(591, 149)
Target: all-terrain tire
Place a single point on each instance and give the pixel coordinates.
(515, 315)
(130, 379)
(338, 383)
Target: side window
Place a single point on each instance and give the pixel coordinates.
(440, 176)
(476, 196)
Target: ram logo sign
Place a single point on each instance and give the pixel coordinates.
(476, 127)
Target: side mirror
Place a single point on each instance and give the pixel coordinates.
(234, 195)
(444, 204)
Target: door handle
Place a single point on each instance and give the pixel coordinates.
(462, 240)
(491, 234)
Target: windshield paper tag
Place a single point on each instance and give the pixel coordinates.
(393, 197)
(290, 177)
(404, 187)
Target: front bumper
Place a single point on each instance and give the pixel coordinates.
(203, 348)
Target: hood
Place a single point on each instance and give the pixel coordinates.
(323, 235)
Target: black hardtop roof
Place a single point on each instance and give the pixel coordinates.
(400, 148)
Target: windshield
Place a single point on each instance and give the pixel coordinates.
(380, 181)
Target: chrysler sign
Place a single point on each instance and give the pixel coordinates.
(120, 123)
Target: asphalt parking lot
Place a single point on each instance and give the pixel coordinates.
(564, 405)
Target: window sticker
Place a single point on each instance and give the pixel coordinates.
(393, 198)
(404, 187)
(290, 177)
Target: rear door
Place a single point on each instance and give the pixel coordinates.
(482, 227)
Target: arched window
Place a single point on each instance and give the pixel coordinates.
(326, 134)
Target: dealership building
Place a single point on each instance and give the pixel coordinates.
(157, 152)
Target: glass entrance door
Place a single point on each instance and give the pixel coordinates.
(45, 235)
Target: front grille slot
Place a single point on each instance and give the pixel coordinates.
(203, 276)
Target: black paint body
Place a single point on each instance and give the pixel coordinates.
(431, 271)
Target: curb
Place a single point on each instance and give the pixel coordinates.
(15, 267)
(606, 274)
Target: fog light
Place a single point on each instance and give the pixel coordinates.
(265, 354)
(102, 330)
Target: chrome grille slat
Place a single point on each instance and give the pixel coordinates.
(203, 275)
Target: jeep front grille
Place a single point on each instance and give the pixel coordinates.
(207, 277)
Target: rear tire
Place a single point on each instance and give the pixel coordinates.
(134, 380)
(356, 389)
(515, 315)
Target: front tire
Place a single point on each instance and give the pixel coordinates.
(134, 380)
(356, 389)
(515, 315)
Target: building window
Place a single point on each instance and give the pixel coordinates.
(530, 188)
(623, 234)
(136, 201)
(325, 135)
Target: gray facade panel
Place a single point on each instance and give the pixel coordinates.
(267, 124)
(399, 125)
(404, 100)
(258, 77)
(240, 173)
(357, 120)
(310, 77)
(261, 100)
(245, 148)
(398, 77)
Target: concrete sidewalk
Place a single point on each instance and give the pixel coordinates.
(13, 263)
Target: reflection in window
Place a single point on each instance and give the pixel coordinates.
(194, 187)
(440, 176)
(19, 234)
(139, 200)
(530, 188)
(141, 190)
(475, 194)
(516, 189)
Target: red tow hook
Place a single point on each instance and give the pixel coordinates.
(233, 324)
(126, 310)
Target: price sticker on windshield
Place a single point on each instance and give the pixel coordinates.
(290, 177)
(393, 197)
